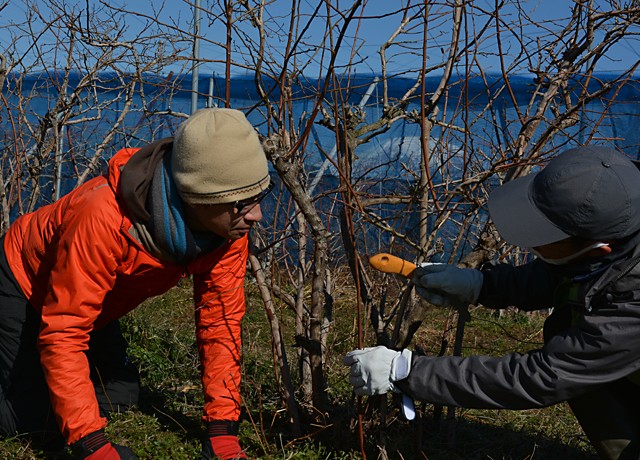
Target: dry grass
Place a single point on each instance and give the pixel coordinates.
(167, 425)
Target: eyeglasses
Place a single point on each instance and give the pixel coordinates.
(244, 206)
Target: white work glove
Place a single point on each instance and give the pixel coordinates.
(373, 370)
(447, 285)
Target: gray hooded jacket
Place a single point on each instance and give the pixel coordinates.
(592, 338)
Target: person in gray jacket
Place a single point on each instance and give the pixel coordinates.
(580, 216)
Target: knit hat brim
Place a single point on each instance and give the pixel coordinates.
(227, 196)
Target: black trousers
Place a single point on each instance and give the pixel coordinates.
(609, 415)
(24, 397)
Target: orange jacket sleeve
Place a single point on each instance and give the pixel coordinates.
(86, 258)
(220, 306)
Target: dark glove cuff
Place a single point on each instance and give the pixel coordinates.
(222, 428)
(89, 444)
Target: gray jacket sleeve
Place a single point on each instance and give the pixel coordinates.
(528, 287)
(600, 348)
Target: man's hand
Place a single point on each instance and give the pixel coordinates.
(447, 285)
(95, 446)
(222, 441)
(373, 370)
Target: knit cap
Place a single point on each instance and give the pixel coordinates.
(217, 158)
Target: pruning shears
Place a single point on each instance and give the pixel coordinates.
(388, 263)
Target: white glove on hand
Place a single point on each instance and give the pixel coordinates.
(373, 370)
(447, 285)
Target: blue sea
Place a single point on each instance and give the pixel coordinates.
(388, 161)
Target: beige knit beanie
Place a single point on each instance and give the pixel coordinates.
(217, 158)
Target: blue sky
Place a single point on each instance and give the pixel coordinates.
(370, 36)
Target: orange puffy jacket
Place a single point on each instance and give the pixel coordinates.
(78, 265)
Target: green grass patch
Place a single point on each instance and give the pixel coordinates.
(167, 423)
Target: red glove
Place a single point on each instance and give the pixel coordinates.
(112, 452)
(226, 447)
(95, 446)
(222, 441)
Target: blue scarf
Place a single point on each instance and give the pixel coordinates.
(167, 224)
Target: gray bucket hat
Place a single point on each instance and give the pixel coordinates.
(590, 192)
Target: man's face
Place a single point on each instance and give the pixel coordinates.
(572, 249)
(562, 248)
(228, 220)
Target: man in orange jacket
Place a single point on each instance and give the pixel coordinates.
(179, 206)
